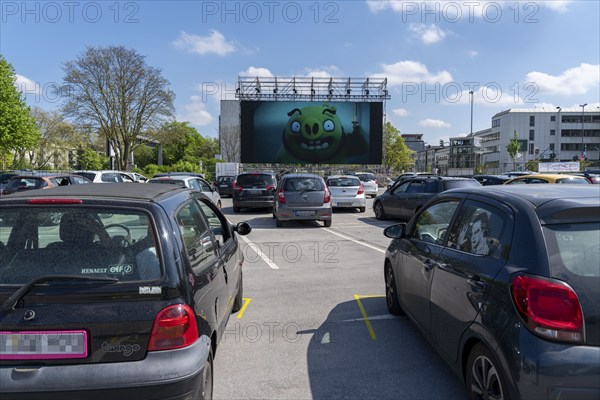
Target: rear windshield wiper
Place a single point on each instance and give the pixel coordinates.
(10, 304)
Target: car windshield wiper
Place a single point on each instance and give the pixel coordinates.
(18, 295)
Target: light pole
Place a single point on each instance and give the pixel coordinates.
(558, 138)
(471, 100)
(582, 115)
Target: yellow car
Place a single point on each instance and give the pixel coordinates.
(548, 178)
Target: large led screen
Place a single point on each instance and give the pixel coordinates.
(304, 132)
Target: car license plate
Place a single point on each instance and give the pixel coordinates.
(223, 186)
(343, 203)
(254, 191)
(28, 345)
(304, 213)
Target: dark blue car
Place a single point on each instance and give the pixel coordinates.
(505, 283)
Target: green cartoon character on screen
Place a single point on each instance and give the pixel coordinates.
(315, 134)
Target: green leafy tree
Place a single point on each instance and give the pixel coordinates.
(113, 90)
(17, 126)
(87, 158)
(513, 149)
(397, 156)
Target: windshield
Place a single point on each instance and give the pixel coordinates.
(42, 241)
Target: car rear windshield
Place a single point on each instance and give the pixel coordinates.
(259, 180)
(26, 183)
(38, 241)
(460, 184)
(225, 179)
(573, 180)
(343, 182)
(89, 175)
(574, 248)
(366, 177)
(303, 184)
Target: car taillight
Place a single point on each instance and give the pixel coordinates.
(550, 308)
(281, 196)
(327, 197)
(236, 186)
(271, 187)
(174, 327)
(361, 189)
(54, 201)
(376, 182)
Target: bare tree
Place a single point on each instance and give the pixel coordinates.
(229, 139)
(114, 91)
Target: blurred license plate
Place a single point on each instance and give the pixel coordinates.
(344, 203)
(223, 185)
(304, 213)
(254, 191)
(43, 345)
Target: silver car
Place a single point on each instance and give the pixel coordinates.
(347, 191)
(302, 197)
(192, 182)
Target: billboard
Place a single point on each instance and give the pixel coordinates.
(305, 132)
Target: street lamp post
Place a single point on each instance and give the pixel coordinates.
(471, 99)
(557, 139)
(582, 115)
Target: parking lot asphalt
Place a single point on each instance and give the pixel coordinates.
(315, 323)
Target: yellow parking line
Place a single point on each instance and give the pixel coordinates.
(365, 316)
(247, 301)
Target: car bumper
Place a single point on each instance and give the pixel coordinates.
(167, 375)
(299, 214)
(349, 203)
(255, 203)
(556, 371)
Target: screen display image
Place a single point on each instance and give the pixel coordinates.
(297, 132)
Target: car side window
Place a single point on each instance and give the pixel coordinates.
(432, 223)
(478, 230)
(217, 224)
(415, 187)
(430, 187)
(401, 188)
(197, 236)
(204, 187)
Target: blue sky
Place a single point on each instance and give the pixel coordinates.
(512, 54)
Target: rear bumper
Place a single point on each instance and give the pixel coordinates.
(167, 375)
(348, 203)
(254, 203)
(289, 214)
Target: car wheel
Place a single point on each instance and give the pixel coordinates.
(278, 222)
(362, 209)
(239, 297)
(379, 212)
(236, 209)
(327, 223)
(485, 378)
(207, 379)
(391, 293)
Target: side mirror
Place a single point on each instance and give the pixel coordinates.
(395, 231)
(242, 228)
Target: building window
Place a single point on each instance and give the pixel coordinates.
(552, 146)
(531, 148)
(531, 134)
(552, 132)
(495, 123)
(553, 118)
(532, 120)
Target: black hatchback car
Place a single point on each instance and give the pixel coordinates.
(505, 283)
(225, 185)
(254, 190)
(406, 196)
(127, 298)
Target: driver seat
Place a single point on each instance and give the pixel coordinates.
(78, 231)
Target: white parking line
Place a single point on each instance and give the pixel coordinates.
(258, 251)
(354, 240)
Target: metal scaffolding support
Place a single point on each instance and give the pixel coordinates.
(312, 89)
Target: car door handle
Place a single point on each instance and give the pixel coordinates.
(476, 281)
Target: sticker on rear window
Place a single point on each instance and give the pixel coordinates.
(150, 290)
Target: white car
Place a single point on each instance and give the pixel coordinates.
(347, 191)
(192, 182)
(369, 182)
(106, 176)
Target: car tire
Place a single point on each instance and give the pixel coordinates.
(239, 297)
(484, 375)
(278, 222)
(236, 209)
(362, 209)
(391, 292)
(379, 211)
(207, 380)
(327, 223)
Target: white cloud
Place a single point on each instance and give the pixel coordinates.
(411, 72)
(323, 72)
(574, 81)
(214, 43)
(27, 86)
(434, 123)
(472, 53)
(195, 112)
(491, 96)
(253, 72)
(428, 34)
(557, 5)
(400, 112)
